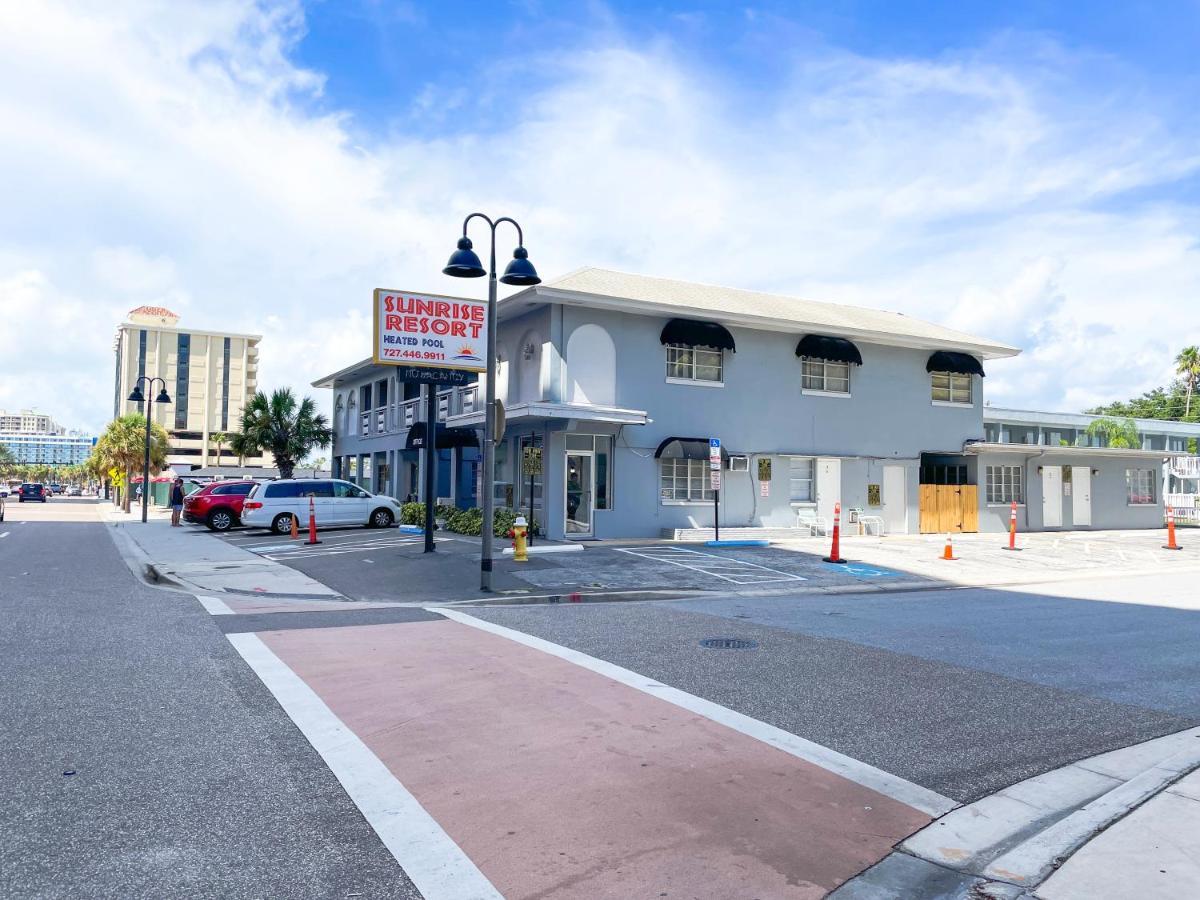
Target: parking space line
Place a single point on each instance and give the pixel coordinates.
(737, 571)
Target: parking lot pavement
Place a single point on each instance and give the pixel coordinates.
(371, 565)
(961, 700)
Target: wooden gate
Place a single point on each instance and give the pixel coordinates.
(949, 508)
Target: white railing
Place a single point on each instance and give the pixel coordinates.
(1186, 467)
(469, 396)
(380, 420)
(443, 405)
(1182, 501)
(408, 412)
(365, 422)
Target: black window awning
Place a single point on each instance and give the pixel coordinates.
(958, 363)
(446, 437)
(686, 448)
(830, 349)
(696, 333)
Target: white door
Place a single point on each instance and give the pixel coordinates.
(895, 500)
(1052, 498)
(1081, 495)
(829, 487)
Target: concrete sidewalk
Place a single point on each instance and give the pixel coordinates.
(198, 562)
(1151, 854)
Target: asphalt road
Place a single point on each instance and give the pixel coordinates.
(962, 691)
(142, 757)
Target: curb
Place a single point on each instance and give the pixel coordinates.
(1006, 844)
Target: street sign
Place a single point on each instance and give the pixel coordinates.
(714, 453)
(531, 461)
(764, 489)
(429, 331)
(423, 375)
(714, 481)
(498, 434)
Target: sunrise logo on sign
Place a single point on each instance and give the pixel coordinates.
(467, 353)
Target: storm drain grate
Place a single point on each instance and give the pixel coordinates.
(728, 644)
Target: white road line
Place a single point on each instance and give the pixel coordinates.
(437, 866)
(214, 606)
(929, 802)
(5, 534)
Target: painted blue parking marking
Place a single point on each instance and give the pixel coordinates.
(860, 570)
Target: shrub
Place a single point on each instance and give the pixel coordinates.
(470, 521)
(412, 514)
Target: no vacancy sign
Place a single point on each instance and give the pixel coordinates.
(430, 330)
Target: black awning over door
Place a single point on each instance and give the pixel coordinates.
(685, 448)
(446, 437)
(697, 333)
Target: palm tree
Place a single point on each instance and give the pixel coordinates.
(1120, 433)
(7, 460)
(120, 449)
(283, 427)
(220, 438)
(1187, 364)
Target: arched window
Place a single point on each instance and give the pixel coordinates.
(591, 367)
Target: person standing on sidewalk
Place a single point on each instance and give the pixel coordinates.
(176, 501)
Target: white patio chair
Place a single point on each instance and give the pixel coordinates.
(869, 522)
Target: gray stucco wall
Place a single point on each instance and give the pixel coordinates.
(1110, 508)
(760, 411)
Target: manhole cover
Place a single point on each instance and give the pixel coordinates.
(728, 644)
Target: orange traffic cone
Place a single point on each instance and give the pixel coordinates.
(295, 527)
(948, 553)
(1170, 544)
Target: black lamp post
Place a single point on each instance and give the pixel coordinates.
(464, 263)
(138, 397)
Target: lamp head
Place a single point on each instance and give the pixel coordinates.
(136, 396)
(464, 263)
(163, 397)
(520, 270)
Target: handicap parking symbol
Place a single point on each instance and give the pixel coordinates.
(861, 570)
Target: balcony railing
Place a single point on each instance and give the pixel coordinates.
(381, 420)
(409, 412)
(1186, 467)
(365, 422)
(443, 405)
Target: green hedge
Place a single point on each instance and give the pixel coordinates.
(470, 521)
(414, 513)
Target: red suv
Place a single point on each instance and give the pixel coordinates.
(217, 505)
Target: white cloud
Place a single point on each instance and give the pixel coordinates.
(167, 153)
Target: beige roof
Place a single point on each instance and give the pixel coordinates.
(774, 312)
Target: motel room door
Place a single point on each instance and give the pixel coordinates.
(1052, 497)
(1081, 496)
(895, 500)
(829, 487)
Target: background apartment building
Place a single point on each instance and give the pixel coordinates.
(35, 438)
(210, 377)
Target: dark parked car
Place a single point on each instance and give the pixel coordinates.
(217, 505)
(32, 491)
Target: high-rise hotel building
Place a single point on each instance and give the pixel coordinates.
(210, 377)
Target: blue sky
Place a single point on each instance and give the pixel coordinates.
(1026, 171)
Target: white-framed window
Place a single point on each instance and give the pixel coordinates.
(685, 480)
(1005, 484)
(827, 377)
(1141, 486)
(688, 363)
(801, 470)
(951, 387)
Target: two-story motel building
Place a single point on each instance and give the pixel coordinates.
(622, 379)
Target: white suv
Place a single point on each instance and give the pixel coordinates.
(273, 503)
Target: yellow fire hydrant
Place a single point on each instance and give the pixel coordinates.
(520, 547)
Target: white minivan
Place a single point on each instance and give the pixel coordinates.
(272, 504)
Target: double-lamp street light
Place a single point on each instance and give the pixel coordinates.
(138, 397)
(464, 263)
